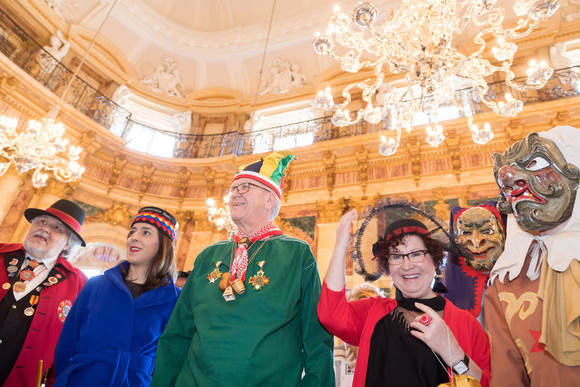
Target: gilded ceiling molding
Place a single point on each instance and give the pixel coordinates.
(118, 215)
(441, 207)
(58, 188)
(184, 177)
(452, 141)
(330, 168)
(414, 149)
(464, 196)
(515, 130)
(210, 177)
(119, 164)
(362, 160)
(361, 203)
(330, 211)
(148, 170)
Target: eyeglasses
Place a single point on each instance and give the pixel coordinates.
(416, 256)
(243, 188)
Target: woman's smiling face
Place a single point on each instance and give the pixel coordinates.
(413, 279)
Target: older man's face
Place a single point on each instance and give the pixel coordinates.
(46, 238)
(250, 209)
(479, 231)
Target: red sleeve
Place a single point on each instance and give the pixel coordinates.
(341, 318)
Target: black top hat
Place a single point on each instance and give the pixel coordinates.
(64, 210)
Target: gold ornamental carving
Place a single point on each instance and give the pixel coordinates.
(330, 211)
(119, 164)
(148, 170)
(184, 177)
(56, 188)
(414, 149)
(515, 130)
(362, 161)
(453, 147)
(117, 215)
(330, 167)
(210, 177)
(441, 207)
(361, 203)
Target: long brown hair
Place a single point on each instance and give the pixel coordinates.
(163, 267)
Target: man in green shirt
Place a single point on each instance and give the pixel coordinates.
(247, 314)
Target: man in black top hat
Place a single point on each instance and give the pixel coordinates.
(37, 288)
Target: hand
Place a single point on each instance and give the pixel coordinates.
(343, 235)
(437, 336)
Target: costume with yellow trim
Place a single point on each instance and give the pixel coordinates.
(531, 306)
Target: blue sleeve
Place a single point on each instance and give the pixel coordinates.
(70, 333)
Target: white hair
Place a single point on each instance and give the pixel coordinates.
(74, 243)
(275, 208)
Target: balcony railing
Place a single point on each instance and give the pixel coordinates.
(25, 52)
(18, 46)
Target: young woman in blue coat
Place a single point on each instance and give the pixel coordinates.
(110, 335)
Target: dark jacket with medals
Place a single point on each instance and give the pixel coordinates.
(55, 297)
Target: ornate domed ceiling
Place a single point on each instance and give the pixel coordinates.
(212, 43)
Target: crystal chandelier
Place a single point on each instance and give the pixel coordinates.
(418, 41)
(220, 216)
(40, 148)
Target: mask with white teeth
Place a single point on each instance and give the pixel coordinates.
(537, 184)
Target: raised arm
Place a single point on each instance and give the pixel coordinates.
(336, 275)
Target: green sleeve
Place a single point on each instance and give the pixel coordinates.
(317, 343)
(175, 341)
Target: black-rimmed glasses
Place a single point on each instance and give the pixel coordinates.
(416, 256)
(243, 188)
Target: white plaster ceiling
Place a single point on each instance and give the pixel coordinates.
(216, 43)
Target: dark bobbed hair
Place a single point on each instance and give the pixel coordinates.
(163, 267)
(383, 247)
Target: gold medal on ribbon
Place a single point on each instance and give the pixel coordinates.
(33, 301)
(19, 286)
(259, 280)
(26, 275)
(215, 274)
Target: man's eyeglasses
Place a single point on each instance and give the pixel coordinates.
(243, 188)
(416, 256)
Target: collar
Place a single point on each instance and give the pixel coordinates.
(48, 262)
(560, 243)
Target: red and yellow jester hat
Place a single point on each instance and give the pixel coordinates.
(268, 171)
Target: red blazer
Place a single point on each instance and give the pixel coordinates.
(46, 323)
(354, 322)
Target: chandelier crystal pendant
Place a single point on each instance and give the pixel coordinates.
(220, 217)
(40, 148)
(420, 41)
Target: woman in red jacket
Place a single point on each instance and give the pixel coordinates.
(417, 339)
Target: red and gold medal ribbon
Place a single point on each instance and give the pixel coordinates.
(241, 256)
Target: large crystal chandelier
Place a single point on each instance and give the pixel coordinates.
(220, 217)
(40, 148)
(418, 41)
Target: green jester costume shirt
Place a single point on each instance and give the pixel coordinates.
(268, 336)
